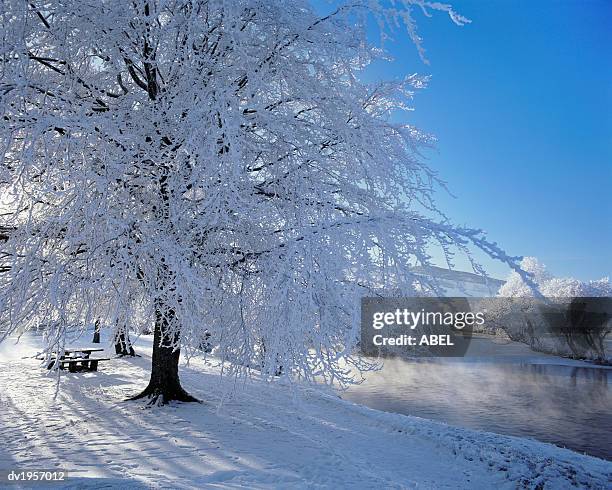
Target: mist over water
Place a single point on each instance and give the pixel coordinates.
(506, 389)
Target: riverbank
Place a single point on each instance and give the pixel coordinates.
(266, 436)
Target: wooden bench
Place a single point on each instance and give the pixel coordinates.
(78, 363)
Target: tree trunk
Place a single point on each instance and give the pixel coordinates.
(164, 385)
(96, 336)
(123, 346)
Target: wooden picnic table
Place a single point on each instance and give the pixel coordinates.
(77, 359)
(86, 351)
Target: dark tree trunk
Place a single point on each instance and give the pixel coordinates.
(278, 367)
(123, 346)
(164, 385)
(96, 337)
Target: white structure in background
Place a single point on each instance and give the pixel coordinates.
(460, 283)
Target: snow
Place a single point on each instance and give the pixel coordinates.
(264, 436)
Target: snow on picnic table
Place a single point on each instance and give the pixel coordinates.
(266, 436)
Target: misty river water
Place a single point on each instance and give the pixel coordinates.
(503, 388)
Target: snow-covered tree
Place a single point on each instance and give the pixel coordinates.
(515, 286)
(214, 168)
(580, 334)
(550, 286)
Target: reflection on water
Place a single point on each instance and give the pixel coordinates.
(566, 405)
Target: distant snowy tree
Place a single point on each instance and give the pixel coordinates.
(213, 168)
(550, 286)
(578, 335)
(516, 286)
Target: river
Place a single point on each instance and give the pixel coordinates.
(501, 387)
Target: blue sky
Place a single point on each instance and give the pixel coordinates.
(521, 103)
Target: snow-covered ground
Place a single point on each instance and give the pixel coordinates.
(265, 436)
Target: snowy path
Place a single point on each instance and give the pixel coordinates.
(261, 438)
